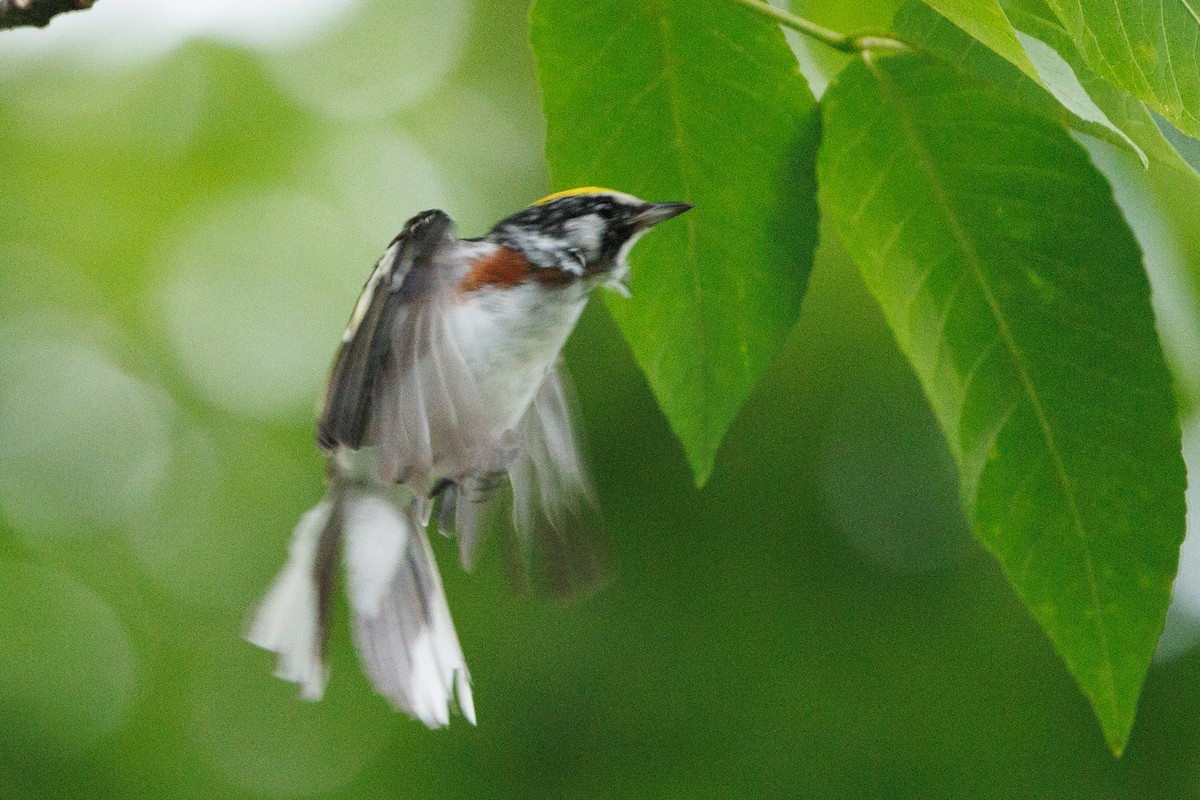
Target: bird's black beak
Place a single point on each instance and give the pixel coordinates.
(653, 213)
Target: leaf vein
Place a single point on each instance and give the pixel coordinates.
(973, 261)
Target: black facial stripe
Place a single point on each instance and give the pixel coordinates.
(551, 216)
(615, 236)
(549, 223)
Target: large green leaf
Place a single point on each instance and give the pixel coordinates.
(1039, 65)
(1015, 288)
(1149, 48)
(1127, 112)
(1038, 27)
(1126, 121)
(703, 102)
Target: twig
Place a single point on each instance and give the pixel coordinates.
(847, 43)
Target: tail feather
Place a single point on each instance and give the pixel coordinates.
(288, 620)
(400, 620)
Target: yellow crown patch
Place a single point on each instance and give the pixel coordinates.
(572, 192)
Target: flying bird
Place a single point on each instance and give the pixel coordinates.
(447, 391)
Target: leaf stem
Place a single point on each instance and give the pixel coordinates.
(845, 42)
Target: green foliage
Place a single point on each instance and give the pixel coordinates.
(1003, 265)
(187, 232)
(701, 102)
(986, 22)
(1050, 84)
(1129, 113)
(1145, 48)
(1074, 96)
(1016, 290)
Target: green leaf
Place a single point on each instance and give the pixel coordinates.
(1127, 112)
(1015, 288)
(701, 102)
(1145, 47)
(986, 21)
(1039, 65)
(1128, 122)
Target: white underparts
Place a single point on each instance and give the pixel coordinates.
(510, 338)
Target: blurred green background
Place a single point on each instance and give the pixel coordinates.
(193, 193)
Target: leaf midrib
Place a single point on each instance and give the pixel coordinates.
(682, 146)
(925, 164)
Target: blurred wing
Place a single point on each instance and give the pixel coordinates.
(555, 536)
(402, 276)
(554, 506)
(430, 420)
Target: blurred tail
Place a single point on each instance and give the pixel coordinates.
(291, 620)
(400, 621)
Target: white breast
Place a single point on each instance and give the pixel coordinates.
(510, 338)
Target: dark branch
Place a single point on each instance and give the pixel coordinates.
(36, 13)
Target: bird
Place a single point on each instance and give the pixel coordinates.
(447, 390)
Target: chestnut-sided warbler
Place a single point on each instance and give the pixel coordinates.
(447, 386)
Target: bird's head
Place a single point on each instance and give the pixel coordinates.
(586, 232)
